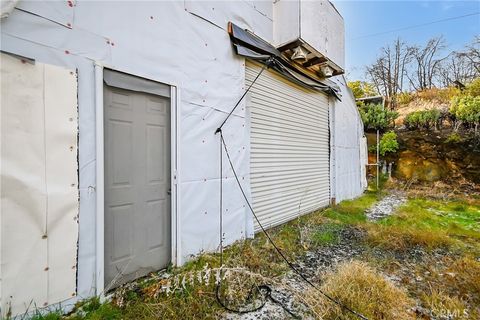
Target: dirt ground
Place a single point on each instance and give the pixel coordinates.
(401, 252)
(402, 269)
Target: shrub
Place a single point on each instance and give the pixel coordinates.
(446, 94)
(454, 137)
(405, 98)
(411, 120)
(375, 117)
(388, 143)
(466, 110)
(360, 104)
(473, 88)
(424, 119)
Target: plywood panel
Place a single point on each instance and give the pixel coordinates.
(39, 184)
(60, 95)
(23, 186)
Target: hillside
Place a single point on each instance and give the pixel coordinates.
(434, 142)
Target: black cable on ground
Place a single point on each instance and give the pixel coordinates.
(249, 298)
(222, 143)
(261, 288)
(360, 316)
(267, 294)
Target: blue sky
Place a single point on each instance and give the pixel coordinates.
(364, 18)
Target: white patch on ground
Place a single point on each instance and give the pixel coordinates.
(386, 206)
(282, 304)
(311, 266)
(314, 263)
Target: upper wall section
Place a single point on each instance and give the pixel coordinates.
(316, 24)
(255, 16)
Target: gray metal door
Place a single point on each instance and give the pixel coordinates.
(137, 184)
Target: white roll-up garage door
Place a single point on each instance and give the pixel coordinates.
(289, 141)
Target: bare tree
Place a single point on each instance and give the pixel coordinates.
(388, 71)
(457, 66)
(473, 53)
(426, 64)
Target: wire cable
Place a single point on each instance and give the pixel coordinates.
(249, 298)
(265, 66)
(217, 289)
(415, 26)
(343, 306)
(221, 205)
(269, 62)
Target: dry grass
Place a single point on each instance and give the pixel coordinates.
(402, 239)
(436, 94)
(446, 285)
(459, 281)
(466, 279)
(455, 188)
(453, 289)
(441, 304)
(449, 284)
(443, 95)
(361, 288)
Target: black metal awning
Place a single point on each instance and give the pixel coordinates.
(251, 46)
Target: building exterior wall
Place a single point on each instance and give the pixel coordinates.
(182, 44)
(347, 159)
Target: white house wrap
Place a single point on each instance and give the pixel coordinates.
(177, 78)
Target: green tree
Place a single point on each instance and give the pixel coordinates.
(375, 117)
(362, 89)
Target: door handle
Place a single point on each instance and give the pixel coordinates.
(169, 191)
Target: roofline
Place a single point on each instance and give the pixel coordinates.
(331, 3)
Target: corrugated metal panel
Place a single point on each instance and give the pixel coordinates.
(289, 159)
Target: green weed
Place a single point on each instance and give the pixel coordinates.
(93, 309)
(50, 316)
(457, 218)
(326, 234)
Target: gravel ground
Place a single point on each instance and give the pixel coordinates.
(314, 263)
(311, 266)
(386, 206)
